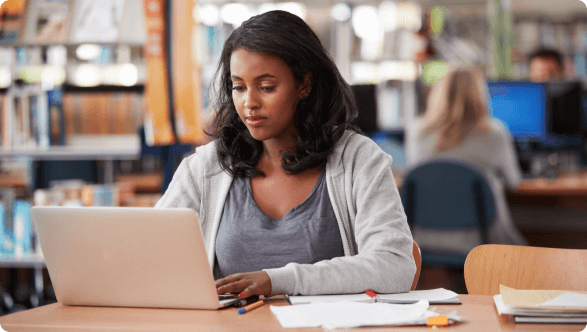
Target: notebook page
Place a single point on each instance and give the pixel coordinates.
(526, 298)
(348, 314)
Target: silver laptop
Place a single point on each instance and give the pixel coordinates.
(128, 257)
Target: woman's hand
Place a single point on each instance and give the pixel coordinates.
(245, 284)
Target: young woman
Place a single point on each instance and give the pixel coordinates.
(291, 200)
(456, 126)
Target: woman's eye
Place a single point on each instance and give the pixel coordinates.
(268, 88)
(238, 88)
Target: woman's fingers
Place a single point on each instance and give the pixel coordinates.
(231, 284)
(245, 284)
(227, 280)
(231, 288)
(249, 291)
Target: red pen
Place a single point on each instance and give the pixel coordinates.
(372, 295)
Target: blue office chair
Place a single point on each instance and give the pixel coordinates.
(447, 195)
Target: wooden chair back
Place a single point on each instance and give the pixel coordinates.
(418, 259)
(521, 267)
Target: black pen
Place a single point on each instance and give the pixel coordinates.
(247, 301)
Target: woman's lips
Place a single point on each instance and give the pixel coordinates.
(254, 121)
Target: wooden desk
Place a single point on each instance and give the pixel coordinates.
(565, 191)
(479, 310)
(552, 212)
(564, 185)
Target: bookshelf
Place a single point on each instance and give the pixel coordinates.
(28, 261)
(106, 148)
(44, 35)
(568, 36)
(102, 147)
(35, 263)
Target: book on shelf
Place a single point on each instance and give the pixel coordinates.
(2, 223)
(7, 199)
(3, 121)
(37, 101)
(113, 113)
(15, 224)
(18, 116)
(12, 16)
(25, 118)
(56, 119)
(8, 126)
(79, 193)
(121, 121)
(542, 306)
(47, 21)
(70, 106)
(21, 224)
(15, 118)
(95, 112)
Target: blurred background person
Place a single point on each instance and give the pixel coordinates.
(456, 126)
(546, 65)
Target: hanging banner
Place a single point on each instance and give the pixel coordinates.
(158, 126)
(185, 74)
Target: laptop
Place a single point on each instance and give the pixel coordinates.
(127, 257)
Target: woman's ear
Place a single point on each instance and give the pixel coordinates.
(306, 86)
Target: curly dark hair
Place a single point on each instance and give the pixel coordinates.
(320, 119)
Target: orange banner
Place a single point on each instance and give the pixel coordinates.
(157, 123)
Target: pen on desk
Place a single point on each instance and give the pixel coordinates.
(372, 295)
(247, 301)
(437, 321)
(250, 307)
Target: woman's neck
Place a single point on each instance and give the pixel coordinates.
(272, 150)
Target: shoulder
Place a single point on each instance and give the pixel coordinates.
(352, 144)
(354, 149)
(498, 130)
(204, 160)
(418, 124)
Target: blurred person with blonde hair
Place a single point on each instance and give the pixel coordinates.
(457, 126)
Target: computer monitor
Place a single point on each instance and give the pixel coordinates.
(381, 107)
(392, 107)
(521, 106)
(564, 108)
(366, 102)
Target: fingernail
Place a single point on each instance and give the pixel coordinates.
(241, 295)
(217, 290)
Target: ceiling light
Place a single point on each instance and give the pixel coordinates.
(340, 12)
(88, 51)
(209, 14)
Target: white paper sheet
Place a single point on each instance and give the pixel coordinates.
(309, 299)
(567, 299)
(431, 295)
(350, 314)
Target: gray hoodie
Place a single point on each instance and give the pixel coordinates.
(376, 238)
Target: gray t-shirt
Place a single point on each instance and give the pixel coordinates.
(249, 240)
